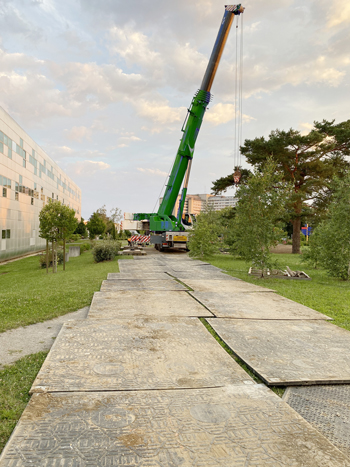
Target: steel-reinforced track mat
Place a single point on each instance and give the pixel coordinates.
(112, 276)
(231, 285)
(235, 426)
(139, 284)
(255, 306)
(117, 355)
(286, 353)
(326, 408)
(128, 304)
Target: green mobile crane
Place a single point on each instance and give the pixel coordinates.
(166, 229)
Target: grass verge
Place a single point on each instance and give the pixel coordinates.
(28, 295)
(15, 383)
(325, 294)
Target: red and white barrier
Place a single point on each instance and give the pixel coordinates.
(141, 238)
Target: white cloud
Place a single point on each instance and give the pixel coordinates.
(153, 172)
(78, 133)
(88, 168)
(339, 13)
(223, 113)
(159, 111)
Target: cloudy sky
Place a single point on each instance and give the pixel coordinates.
(103, 86)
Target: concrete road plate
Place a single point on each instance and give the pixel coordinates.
(128, 304)
(289, 352)
(95, 355)
(255, 306)
(326, 408)
(143, 269)
(223, 286)
(200, 273)
(237, 426)
(137, 275)
(139, 284)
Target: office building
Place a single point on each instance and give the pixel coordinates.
(28, 179)
(194, 204)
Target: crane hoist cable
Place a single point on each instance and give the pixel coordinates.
(238, 102)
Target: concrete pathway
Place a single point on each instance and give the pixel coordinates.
(146, 388)
(19, 342)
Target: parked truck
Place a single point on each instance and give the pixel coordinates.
(167, 230)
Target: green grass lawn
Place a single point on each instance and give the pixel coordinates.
(323, 293)
(29, 295)
(15, 383)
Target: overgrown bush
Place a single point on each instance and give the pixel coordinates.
(105, 251)
(42, 259)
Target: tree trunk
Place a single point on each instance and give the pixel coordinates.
(47, 256)
(296, 235)
(53, 256)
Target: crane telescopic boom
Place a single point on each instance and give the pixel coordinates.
(163, 220)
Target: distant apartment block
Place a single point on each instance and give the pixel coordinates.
(28, 179)
(221, 202)
(194, 204)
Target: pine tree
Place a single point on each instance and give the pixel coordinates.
(309, 162)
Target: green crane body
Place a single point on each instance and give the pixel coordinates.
(164, 220)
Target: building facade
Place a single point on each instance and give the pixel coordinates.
(220, 202)
(194, 204)
(28, 179)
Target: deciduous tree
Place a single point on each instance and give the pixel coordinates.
(96, 225)
(258, 210)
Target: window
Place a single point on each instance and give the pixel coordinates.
(9, 153)
(1, 147)
(3, 234)
(20, 179)
(32, 201)
(21, 142)
(4, 192)
(53, 196)
(24, 163)
(34, 186)
(16, 196)
(33, 153)
(8, 233)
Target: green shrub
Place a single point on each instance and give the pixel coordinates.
(42, 259)
(105, 251)
(84, 247)
(74, 238)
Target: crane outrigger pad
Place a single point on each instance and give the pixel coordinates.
(255, 306)
(289, 352)
(128, 304)
(136, 354)
(231, 426)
